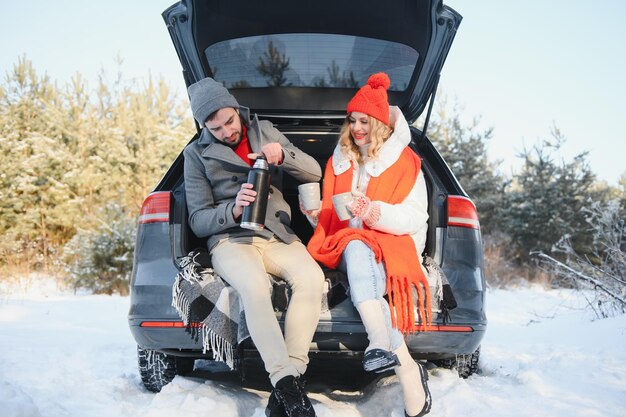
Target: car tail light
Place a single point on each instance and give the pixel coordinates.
(168, 324)
(451, 329)
(462, 212)
(156, 208)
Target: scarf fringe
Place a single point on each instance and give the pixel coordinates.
(400, 292)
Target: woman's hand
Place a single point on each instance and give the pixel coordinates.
(365, 209)
(359, 206)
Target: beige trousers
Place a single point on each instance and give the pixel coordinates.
(244, 263)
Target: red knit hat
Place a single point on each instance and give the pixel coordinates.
(371, 99)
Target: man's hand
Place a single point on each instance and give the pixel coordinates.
(245, 196)
(273, 153)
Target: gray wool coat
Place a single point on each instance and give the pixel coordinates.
(214, 174)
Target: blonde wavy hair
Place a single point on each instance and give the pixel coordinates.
(379, 133)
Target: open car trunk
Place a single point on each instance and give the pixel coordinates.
(307, 59)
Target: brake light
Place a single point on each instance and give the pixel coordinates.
(452, 329)
(156, 208)
(168, 324)
(462, 212)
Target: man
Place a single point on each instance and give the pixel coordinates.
(216, 169)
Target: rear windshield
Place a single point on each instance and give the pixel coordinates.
(309, 60)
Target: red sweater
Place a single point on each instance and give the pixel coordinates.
(243, 149)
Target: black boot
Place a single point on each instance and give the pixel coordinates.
(289, 398)
(274, 407)
(379, 360)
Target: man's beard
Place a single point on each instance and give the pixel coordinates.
(233, 145)
(236, 143)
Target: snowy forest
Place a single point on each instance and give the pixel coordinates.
(78, 160)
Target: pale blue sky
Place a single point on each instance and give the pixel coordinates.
(520, 65)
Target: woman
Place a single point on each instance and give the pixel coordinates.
(380, 247)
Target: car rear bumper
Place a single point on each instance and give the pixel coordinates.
(336, 337)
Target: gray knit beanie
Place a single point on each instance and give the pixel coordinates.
(208, 96)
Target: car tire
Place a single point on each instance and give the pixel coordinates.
(465, 364)
(158, 369)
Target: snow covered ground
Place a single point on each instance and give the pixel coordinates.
(72, 355)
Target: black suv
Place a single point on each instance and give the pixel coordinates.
(298, 64)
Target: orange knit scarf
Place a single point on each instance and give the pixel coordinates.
(402, 265)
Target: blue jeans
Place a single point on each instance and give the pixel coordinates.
(367, 281)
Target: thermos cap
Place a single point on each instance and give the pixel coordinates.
(261, 162)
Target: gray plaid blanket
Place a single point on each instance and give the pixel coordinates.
(442, 299)
(209, 307)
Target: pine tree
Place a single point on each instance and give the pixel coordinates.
(546, 199)
(464, 149)
(273, 65)
(68, 152)
(33, 194)
(341, 79)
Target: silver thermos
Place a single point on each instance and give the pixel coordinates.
(253, 216)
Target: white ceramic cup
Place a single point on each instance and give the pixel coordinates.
(341, 201)
(310, 195)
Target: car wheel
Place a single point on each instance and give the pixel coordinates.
(465, 364)
(158, 369)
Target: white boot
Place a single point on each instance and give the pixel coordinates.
(413, 380)
(373, 318)
(378, 356)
